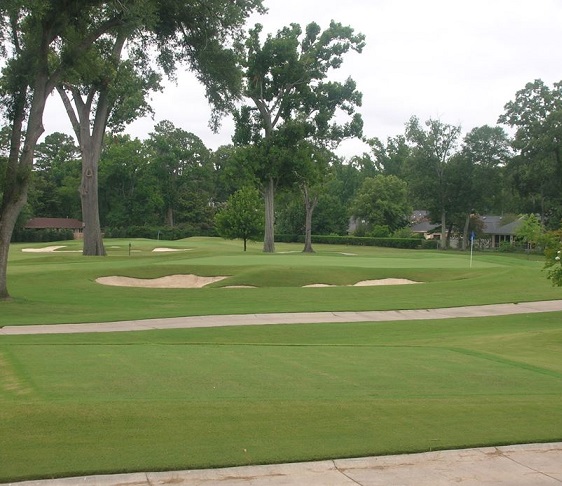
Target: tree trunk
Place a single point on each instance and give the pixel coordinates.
(20, 165)
(309, 206)
(269, 234)
(93, 238)
(90, 136)
(8, 218)
(465, 232)
(170, 217)
(443, 231)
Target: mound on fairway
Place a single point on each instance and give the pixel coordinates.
(168, 282)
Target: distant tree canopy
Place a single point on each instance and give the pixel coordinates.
(536, 169)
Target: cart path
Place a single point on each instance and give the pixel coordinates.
(290, 318)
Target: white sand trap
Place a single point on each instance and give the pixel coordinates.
(169, 249)
(239, 287)
(349, 254)
(48, 249)
(168, 282)
(385, 281)
(368, 283)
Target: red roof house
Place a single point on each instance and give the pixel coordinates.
(57, 223)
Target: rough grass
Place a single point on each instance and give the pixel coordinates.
(86, 404)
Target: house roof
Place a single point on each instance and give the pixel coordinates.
(54, 223)
(493, 225)
(423, 227)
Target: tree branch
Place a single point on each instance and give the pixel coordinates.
(70, 111)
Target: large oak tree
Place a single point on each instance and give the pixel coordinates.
(291, 99)
(44, 41)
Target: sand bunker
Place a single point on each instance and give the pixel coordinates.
(45, 249)
(161, 250)
(385, 281)
(196, 282)
(369, 283)
(48, 249)
(168, 282)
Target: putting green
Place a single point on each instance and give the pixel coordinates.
(199, 372)
(338, 260)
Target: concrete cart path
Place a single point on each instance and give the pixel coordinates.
(517, 465)
(290, 318)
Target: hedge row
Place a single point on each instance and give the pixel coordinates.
(41, 235)
(410, 243)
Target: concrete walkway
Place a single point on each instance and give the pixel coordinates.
(518, 465)
(290, 318)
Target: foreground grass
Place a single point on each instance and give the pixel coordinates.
(107, 403)
(159, 400)
(60, 287)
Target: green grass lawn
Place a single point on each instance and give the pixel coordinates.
(189, 398)
(60, 287)
(101, 403)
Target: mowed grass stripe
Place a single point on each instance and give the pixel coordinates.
(168, 400)
(162, 373)
(83, 438)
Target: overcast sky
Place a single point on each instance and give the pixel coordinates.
(459, 61)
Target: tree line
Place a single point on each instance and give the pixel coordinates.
(171, 180)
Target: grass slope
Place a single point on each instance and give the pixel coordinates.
(60, 287)
(86, 404)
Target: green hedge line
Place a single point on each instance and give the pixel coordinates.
(410, 243)
(41, 235)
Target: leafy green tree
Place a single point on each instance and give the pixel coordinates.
(553, 253)
(111, 91)
(105, 91)
(45, 42)
(232, 171)
(242, 216)
(40, 45)
(432, 149)
(536, 115)
(285, 78)
(129, 189)
(56, 177)
(392, 158)
(312, 177)
(530, 231)
(383, 201)
(184, 171)
(474, 175)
